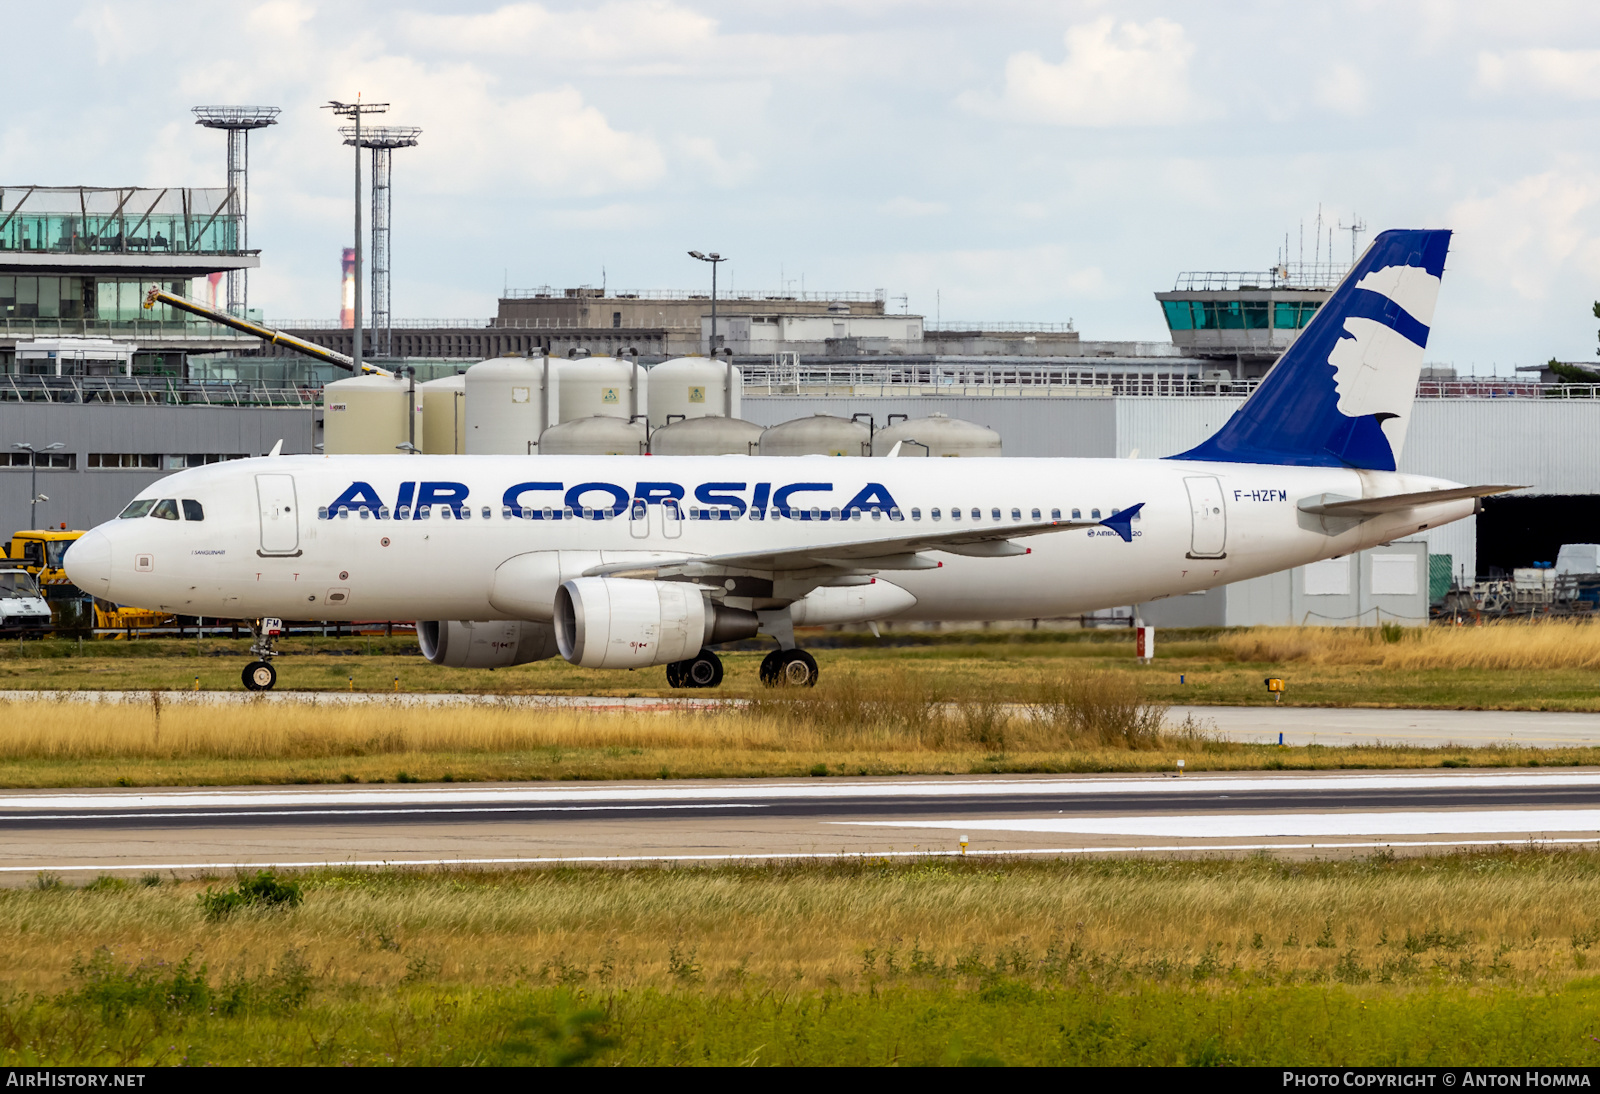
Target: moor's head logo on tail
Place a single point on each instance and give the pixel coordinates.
(1341, 395)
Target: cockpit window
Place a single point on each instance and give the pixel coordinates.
(166, 509)
(192, 510)
(138, 508)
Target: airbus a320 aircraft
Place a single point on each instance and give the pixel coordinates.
(622, 562)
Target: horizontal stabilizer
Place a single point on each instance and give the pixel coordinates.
(1333, 505)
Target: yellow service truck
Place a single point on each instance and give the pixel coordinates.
(39, 551)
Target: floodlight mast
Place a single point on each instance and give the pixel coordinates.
(382, 139)
(355, 110)
(238, 121)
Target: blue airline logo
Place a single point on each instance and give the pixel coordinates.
(553, 500)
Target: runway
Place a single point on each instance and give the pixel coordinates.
(1255, 724)
(83, 833)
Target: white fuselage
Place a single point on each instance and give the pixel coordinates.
(241, 562)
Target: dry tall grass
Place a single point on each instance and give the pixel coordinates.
(852, 713)
(1503, 645)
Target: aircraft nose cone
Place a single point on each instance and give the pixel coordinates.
(88, 563)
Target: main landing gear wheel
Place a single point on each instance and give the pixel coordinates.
(704, 670)
(789, 668)
(260, 676)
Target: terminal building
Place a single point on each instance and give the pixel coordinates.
(76, 261)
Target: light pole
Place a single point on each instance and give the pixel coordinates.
(355, 110)
(727, 393)
(34, 497)
(712, 258)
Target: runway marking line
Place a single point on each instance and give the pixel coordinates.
(781, 856)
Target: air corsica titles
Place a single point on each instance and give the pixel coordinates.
(552, 500)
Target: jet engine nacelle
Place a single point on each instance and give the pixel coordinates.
(625, 623)
(467, 644)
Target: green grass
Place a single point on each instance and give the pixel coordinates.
(1474, 958)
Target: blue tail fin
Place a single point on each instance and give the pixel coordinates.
(1341, 395)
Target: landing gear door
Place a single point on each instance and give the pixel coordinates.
(1209, 537)
(280, 515)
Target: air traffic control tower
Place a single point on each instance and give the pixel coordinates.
(1248, 318)
(75, 262)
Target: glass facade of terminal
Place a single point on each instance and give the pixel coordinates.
(1238, 314)
(118, 299)
(88, 220)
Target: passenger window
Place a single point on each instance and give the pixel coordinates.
(322, 512)
(916, 514)
(834, 513)
(192, 510)
(137, 509)
(955, 514)
(895, 514)
(1077, 514)
(383, 512)
(166, 509)
(977, 514)
(1036, 515)
(994, 514)
(1016, 514)
(1055, 514)
(1094, 514)
(344, 512)
(403, 513)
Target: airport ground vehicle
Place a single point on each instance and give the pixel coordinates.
(23, 610)
(623, 562)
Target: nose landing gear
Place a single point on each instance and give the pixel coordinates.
(259, 675)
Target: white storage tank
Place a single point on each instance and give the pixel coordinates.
(936, 435)
(444, 413)
(368, 415)
(596, 435)
(601, 386)
(694, 387)
(510, 402)
(706, 437)
(818, 435)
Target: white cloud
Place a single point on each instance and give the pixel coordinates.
(1343, 90)
(1113, 74)
(279, 18)
(703, 162)
(1569, 73)
(1532, 234)
(624, 31)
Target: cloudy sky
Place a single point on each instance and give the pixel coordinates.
(991, 161)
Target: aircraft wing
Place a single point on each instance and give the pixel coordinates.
(1332, 505)
(864, 556)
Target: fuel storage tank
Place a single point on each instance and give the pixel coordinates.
(510, 402)
(818, 435)
(694, 387)
(368, 415)
(705, 437)
(936, 435)
(607, 387)
(444, 413)
(596, 435)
